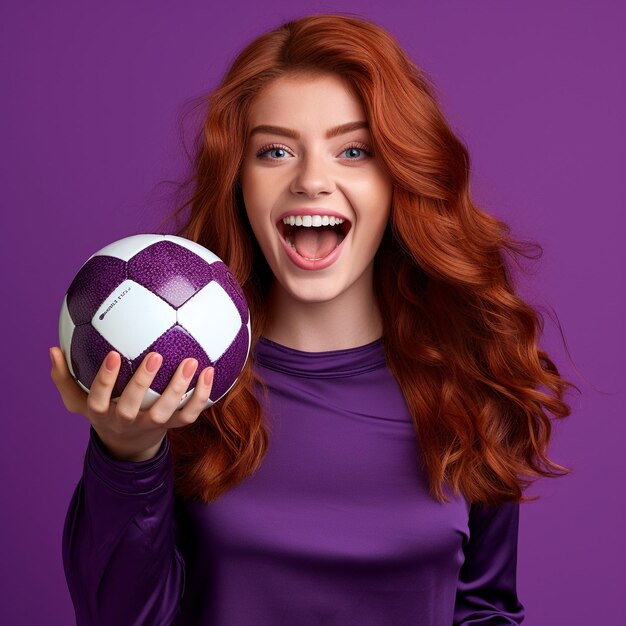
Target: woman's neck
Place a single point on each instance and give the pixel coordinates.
(351, 319)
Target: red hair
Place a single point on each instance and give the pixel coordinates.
(459, 341)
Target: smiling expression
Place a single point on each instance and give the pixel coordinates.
(317, 198)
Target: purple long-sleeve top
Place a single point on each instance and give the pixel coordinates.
(335, 528)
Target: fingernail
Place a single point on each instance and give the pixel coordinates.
(208, 376)
(189, 368)
(51, 357)
(110, 362)
(153, 362)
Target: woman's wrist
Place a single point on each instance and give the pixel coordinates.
(121, 448)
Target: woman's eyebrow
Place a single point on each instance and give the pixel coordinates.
(294, 134)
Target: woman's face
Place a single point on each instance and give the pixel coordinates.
(317, 199)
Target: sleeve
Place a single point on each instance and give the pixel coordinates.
(119, 554)
(486, 590)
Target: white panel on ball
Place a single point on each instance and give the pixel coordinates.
(128, 247)
(129, 333)
(207, 310)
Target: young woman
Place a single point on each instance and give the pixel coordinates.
(368, 466)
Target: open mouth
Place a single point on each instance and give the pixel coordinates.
(313, 237)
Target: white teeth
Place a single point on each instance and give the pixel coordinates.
(312, 220)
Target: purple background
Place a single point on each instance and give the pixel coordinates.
(92, 95)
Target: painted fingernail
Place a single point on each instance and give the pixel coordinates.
(110, 362)
(189, 368)
(208, 376)
(154, 361)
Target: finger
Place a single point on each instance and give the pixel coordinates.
(195, 405)
(73, 396)
(166, 405)
(99, 398)
(129, 403)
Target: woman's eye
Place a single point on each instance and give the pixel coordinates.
(280, 150)
(358, 149)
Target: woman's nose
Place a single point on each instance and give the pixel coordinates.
(312, 177)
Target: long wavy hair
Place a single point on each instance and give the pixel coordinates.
(459, 341)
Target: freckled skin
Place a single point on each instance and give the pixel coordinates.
(336, 305)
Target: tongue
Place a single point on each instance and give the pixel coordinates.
(315, 243)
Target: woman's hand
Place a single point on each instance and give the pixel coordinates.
(128, 433)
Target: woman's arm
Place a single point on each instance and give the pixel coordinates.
(119, 552)
(487, 580)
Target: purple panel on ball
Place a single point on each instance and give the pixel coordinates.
(170, 271)
(175, 345)
(228, 367)
(88, 350)
(93, 284)
(223, 276)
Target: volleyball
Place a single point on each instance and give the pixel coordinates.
(155, 293)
